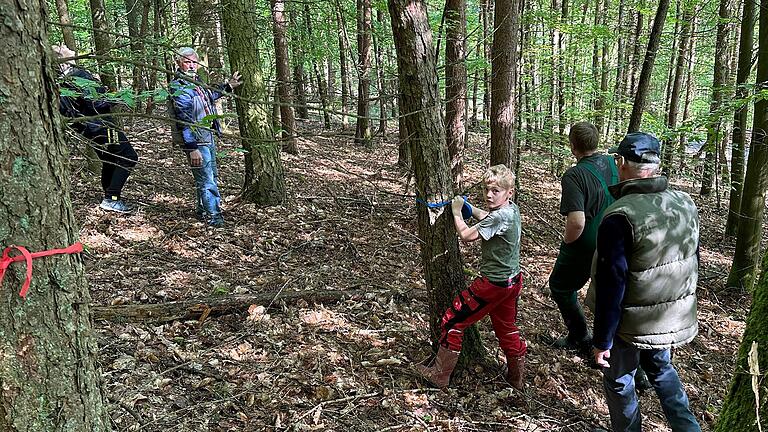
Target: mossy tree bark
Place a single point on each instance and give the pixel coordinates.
(738, 413)
(264, 177)
(48, 375)
(420, 104)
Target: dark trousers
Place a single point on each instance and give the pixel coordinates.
(117, 157)
(480, 299)
(568, 277)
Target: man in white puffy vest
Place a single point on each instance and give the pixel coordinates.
(644, 286)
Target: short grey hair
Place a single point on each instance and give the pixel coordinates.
(185, 52)
(643, 168)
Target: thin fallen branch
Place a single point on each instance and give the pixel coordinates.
(196, 309)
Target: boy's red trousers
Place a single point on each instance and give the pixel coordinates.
(480, 299)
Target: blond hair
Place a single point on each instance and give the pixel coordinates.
(501, 175)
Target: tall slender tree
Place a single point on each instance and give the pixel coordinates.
(102, 39)
(747, 254)
(363, 130)
(746, 48)
(670, 144)
(504, 68)
(715, 124)
(455, 85)
(48, 369)
(643, 83)
(67, 33)
(283, 72)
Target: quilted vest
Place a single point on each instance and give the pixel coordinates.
(659, 306)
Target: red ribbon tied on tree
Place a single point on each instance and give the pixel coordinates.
(6, 261)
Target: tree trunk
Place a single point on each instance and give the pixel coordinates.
(287, 122)
(343, 47)
(738, 412)
(634, 61)
(746, 48)
(363, 130)
(643, 84)
(403, 147)
(690, 93)
(714, 128)
(102, 39)
(264, 180)
(137, 16)
(299, 82)
(747, 254)
(49, 374)
(421, 101)
(377, 49)
(485, 17)
(66, 25)
(455, 86)
(155, 54)
(473, 122)
(503, 67)
(677, 83)
(203, 16)
(322, 88)
(621, 67)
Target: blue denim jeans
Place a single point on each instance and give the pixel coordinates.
(619, 386)
(207, 197)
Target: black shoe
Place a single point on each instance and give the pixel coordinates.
(583, 346)
(641, 381)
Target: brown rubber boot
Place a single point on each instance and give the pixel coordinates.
(439, 373)
(516, 371)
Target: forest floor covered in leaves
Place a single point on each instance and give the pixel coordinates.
(348, 224)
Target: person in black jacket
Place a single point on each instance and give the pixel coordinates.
(82, 96)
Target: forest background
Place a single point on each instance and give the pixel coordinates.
(305, 311)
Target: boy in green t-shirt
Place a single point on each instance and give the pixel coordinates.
(496, 291)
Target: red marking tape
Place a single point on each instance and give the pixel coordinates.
(6, 261)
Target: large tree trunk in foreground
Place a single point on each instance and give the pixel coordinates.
(455, 86)
(264, 179)
(287, 121)
(643, 84)
(747, 254)
(504, 68)
(746, 47)
(421, 104)
(50, 381)
(738, 412)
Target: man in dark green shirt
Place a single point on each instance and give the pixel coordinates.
(584, 197)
